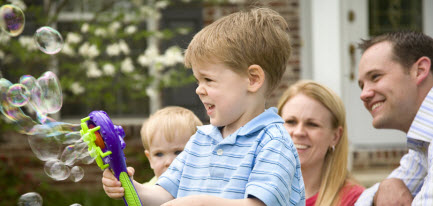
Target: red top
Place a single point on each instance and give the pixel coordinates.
(350, 193)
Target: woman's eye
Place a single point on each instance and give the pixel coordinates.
(290, 122)
(312, 124)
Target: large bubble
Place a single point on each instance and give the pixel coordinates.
(12, 19)
(77, 173)
(18, 95)
(57, 170)
(30, 199)
(48, 40)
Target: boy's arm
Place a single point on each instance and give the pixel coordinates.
(149, 194)
(201, 200)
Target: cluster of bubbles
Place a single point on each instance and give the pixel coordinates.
(12, 21)
(59, 144)
(33, 199)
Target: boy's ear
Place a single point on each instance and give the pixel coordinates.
(147, 153)
(256, 77)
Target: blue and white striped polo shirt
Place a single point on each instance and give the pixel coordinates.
(259, 160)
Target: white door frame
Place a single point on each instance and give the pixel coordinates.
(326, 35)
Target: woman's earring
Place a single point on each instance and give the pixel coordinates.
(333, 148)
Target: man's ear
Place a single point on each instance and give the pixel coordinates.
(422, 69)
(256, 77)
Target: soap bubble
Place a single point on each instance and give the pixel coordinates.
(12, 19)
(18, 95)
(77, 173)
(30, 199)
(48, 40)
(56, 170)
(51, 92)
(75, 204)
(45, 148)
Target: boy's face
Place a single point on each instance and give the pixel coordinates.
(223, 93)
(162, 152)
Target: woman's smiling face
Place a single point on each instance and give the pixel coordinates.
(309, 123)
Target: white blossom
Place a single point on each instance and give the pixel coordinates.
(93, 51)
(67, 49)
(73, 38)
(92, 69)
(28, 43)
(126, 66)
(183, 31)
(20, 4)
(113, 27)
(85, 28)
(113, 50)
(89, 51)
(131, 29)
(151, 92)
(100, 32)
(172, 56)
(161, 4)
(76, 88)
(124, 47)
(4, 38)
(143, 60)
(109, 69)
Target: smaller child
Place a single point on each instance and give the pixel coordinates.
(164, 135)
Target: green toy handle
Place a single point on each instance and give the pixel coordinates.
(131, 196)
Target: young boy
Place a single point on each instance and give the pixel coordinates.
(164, 135)
(245, 157)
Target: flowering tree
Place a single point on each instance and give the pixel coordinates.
(111, 58)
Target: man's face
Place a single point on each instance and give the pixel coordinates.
(389, 91)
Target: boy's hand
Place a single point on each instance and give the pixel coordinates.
(112, 186)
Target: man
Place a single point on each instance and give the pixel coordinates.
(396, 83)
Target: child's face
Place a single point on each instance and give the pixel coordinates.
(223, 93)
(162, 152)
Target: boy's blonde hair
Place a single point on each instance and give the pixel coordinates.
(239, 40)
(169, 121)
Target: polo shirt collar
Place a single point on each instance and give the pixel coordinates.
(269, 116)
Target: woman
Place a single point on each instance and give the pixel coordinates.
(316, 120)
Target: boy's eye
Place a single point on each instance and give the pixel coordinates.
(177, 152)
(207, 79)
(159, 154)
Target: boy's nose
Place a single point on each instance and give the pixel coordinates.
(200, 90)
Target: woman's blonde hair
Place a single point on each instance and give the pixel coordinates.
(169, 121)
(335, 171)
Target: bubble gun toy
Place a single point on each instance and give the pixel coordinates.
(106, 144)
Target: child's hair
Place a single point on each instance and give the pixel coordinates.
(259, 36)
(169, 121)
